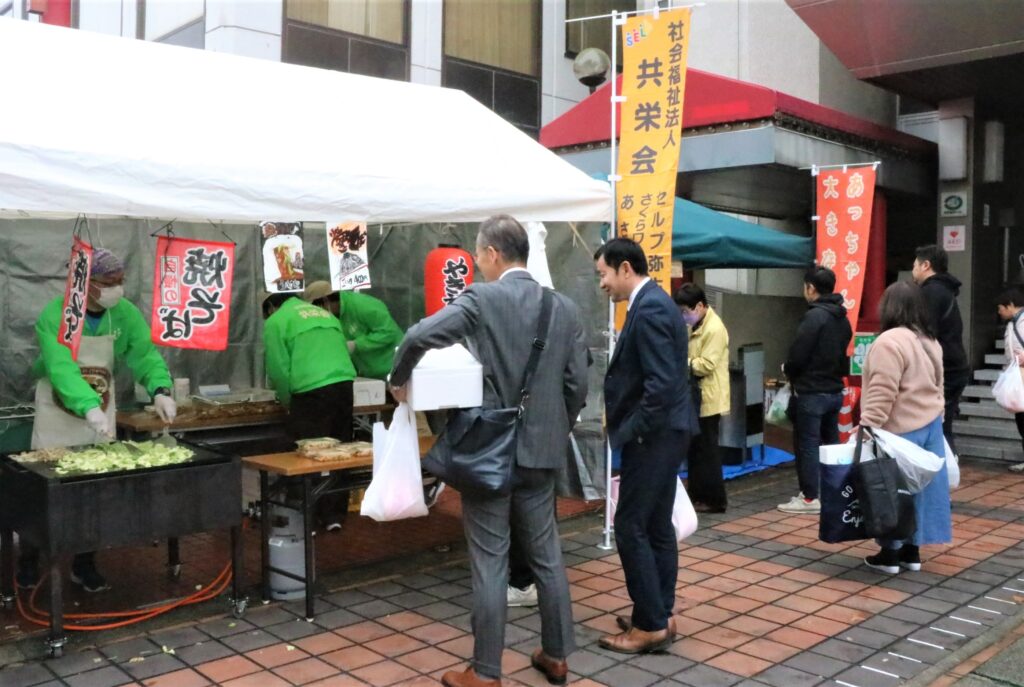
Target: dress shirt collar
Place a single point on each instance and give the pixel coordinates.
(632, 296)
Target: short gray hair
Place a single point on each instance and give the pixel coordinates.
(506, 235)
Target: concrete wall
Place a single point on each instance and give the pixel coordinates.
(770, 321)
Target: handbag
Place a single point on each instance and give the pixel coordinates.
(476, 451)
(886, 504)
(841, 518)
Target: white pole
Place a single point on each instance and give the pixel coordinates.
(613, 178)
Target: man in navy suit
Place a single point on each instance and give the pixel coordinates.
(651, 419)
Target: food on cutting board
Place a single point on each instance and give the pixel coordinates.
(114, 457)
(327, 449)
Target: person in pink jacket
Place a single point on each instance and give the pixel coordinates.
(1010, 305)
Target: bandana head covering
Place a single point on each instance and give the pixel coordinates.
(105, 263)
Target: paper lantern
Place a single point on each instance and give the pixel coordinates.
(446, 273)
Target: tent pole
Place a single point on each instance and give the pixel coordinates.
(606, 543)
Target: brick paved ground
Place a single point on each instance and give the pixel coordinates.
(761, 602)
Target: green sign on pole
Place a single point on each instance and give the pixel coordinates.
(861, 344)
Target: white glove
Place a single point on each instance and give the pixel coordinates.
(166, 408)
(97, 420)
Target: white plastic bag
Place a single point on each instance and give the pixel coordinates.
(684, 517)
(1009, 388)
(778, 411)
(396, 490)
(918, 465)
(952, 467)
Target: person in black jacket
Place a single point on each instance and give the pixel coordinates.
(940, 289)
(815, 367)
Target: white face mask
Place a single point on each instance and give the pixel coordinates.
(110, 296)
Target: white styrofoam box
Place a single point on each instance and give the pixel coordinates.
(367, 392)
(447, 378)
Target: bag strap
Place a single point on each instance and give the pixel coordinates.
(861, 432)
(539, 344)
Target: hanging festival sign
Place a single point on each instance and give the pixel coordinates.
(346, 251)
(282, 257)
(654, 55)
(76, 295)
(845, 198)
(447, 272)
(192, 293)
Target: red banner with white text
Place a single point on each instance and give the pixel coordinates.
(76, 295)
(192, 293)
(844, 227)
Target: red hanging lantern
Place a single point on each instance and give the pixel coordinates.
(446, 273)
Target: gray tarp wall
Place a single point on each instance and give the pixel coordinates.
(34, 253)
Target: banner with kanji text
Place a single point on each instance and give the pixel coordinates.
(844, 226)
(654, 52)
(192, 293)
(76, 295)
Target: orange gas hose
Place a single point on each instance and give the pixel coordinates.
(214, 589)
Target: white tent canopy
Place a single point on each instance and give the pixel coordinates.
(104, 125)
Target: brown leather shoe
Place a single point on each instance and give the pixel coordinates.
(637, 641)
(467, 678)
(556, 670)
(624, 624)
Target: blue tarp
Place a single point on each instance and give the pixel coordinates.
(704, 238)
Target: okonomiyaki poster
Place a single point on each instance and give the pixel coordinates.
(283, 257)
(346, 249)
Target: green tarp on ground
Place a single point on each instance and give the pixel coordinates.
(704, 238)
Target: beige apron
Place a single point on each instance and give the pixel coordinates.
(57, 427)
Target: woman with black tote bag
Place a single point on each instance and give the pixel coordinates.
(903, 394)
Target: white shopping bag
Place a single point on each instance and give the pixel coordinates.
(917, 465)
(952, 467)
(396, 490)
(1009, 389)
(684, 517)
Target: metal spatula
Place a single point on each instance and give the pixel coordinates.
(166, 439)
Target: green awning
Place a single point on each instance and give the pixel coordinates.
(704, 238)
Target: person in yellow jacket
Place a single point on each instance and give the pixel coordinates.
(709, 364)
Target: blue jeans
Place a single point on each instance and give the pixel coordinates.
(816, 424)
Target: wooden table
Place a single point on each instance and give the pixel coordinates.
(345, 474)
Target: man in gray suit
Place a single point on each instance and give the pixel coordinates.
(498, 321)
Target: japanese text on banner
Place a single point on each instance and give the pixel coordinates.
(192, 293)
(844, 226)
(653, 84)
(346, 250)
(76, 294)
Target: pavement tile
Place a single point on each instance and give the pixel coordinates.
(442, 610)
(709, 614)
(305, 671)
(867, 637)
(70, 663)
(862, 677)
(263, 679)
(332, 620)
(203, 652)
(816, 664)
(695, 650)
(179, 678)
(843, 651)
(119, 652)
(223, 627)
(152, 666)
(228, 668)
(349, 597)
(819, 625)
(586, 663)
(784, 676)
(739, 663)
(843, 614)
(404, 621)
(276, 655)
(395, 645)
(795, 637)
(101, 677)
(384, 673)
(776, 614)
(435, 633)
(428, 660)
(460, 646)
(375, 609)
(737, 604)
(294, 630)
(751, 625)
(624, 674)
(24, 675)
(352, 657)
(363, 632)
(771, 651)
(723, 637)
(247, 641)
(322, 643)
(272, 615)
(801, 604)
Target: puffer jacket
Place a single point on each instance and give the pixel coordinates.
(709, 363)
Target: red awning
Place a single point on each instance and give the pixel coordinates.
(711, 99)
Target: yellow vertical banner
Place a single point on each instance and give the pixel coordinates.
(654, 51)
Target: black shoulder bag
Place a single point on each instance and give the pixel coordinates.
(476, 451)
(885, 501)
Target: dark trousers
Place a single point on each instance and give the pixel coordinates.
(952, 391)
(705, 483)
(1019, 417)
(324, 412)
(643, 525)
(816, 424)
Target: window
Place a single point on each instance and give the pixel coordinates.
(492, 51)
(368, 37)
(383, 20)
(596, 33)
(500, 33)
